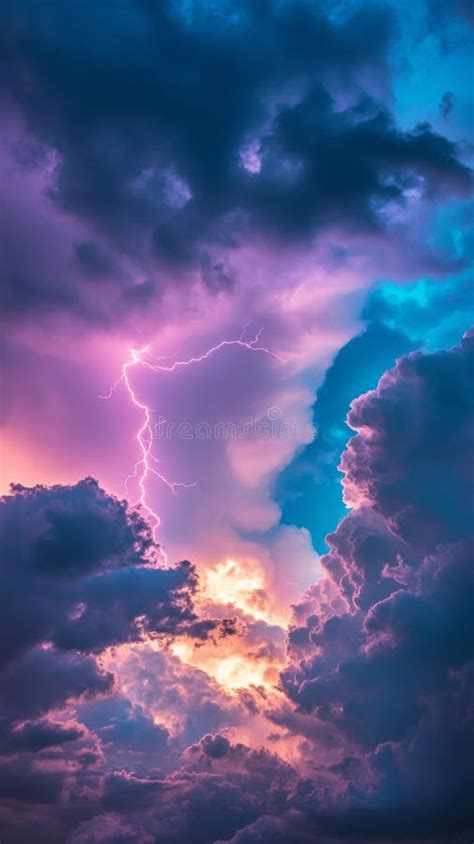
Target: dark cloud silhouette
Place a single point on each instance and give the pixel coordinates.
(345, 166)
(35, 736)
(43, 679)
(70, 554)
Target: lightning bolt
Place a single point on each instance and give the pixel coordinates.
(147, 463)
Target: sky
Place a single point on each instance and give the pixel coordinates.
(237, 421)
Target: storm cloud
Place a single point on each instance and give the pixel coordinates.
(383, 645)
(377, 684)
(178, 136)
(273, 198)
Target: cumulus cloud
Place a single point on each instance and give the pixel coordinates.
(69, 554)
(382, 647)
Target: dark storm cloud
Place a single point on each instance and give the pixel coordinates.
(77, 578)
(20, 293)
(35, 736)
(123, 726)
(344, 167)
(95, 262)
(420, 419)
(71, 553)
(390, 672)
(180, 133)
(44, 678)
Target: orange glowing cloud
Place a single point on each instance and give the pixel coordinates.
(240, 583)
